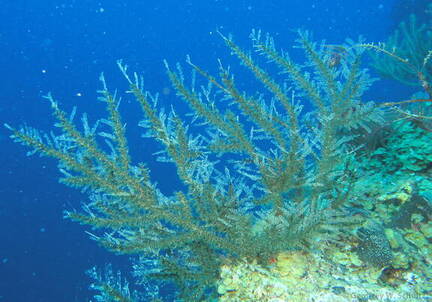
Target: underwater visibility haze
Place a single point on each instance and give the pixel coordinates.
(216, 150)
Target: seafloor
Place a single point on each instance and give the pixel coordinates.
(387, 256)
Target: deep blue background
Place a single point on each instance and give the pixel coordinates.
(63, 46)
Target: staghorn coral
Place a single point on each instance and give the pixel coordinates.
(260, 176)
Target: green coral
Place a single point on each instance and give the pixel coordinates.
(260, 175)
(406, 150)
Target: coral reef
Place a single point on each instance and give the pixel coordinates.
(396, 265)
(276, 202)
(405, 150)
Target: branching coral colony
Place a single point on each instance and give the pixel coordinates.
(260, 175)
(407, 54)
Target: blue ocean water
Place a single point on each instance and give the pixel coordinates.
(63, 46)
